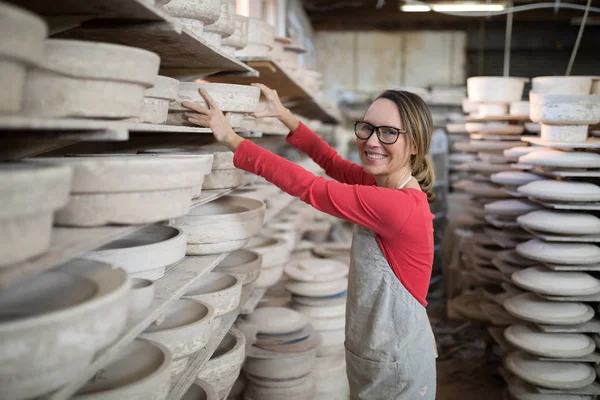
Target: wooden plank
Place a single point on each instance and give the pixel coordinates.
(548, 237)
(123, 9)
(591, 206)
(591, 143)
(177, 50)
(168, 289)
(252, 302)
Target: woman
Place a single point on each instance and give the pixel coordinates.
(390, 351)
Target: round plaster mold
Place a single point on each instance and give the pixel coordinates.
(561, 222)
(142, 295)
(514, 178)
(224, 179)
(277, 320)
(239, 39)
(206, 11)
(223, 368)
(149, 250)
(229, 98)
(289, 236)
(330, 250)
(29, 193)
(221, 291)
(564, 133)
(561, 109)
(142, 370)
(109, 82)
(156, 100)
(242, 264)
(326, 288)
(556, 283)
(274, 251)
(519, 108)
(280, 365)
(306, 390)
(560, 253)
(336, 309)
(561, 159)
(492, 110)
(269, 276)
(222, 225)
(495, 89)
(27, 32)
(530, 307)
(201, 390)
(225, 25)
(317, 270)
(555, 345)
(550, 374)
(521, 390)
(570, 85)
(84, 301)
(186, 328)
(261, 39)
(277, 383)
(562, 191)
(510, 208)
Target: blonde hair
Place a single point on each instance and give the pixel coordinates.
(418, 124)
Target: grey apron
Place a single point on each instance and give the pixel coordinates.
(390, 350)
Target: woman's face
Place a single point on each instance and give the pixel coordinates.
(383, 159)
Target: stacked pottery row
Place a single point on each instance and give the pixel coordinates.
(490, 96)
(565, 106)
(48, 78)
(280, 362)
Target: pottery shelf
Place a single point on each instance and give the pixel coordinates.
(68, 243)
(168, 289)
(138, 23)
(293, 93)
(507, 118)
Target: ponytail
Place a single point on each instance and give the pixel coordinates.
(424, 173)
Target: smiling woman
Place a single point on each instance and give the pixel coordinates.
(390, 350)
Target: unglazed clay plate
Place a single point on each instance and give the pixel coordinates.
(275, 320)
(556, 283)
(317, 270)
(530, 307)
(560, 253)
(555, 345)
(514, 178)
(561, 159)
(561, 191)
(515, 152)
(510, 208)
(549, 374)
(561, 222)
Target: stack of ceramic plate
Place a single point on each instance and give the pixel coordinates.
(319, 291)
(282, 358)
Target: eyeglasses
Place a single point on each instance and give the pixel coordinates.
(385, 134)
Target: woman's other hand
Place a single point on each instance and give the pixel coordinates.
(213, 118)
(275, 108)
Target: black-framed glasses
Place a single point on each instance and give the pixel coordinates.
(385, 134)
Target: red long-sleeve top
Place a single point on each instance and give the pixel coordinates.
(400, 218)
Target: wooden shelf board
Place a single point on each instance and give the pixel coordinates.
(516, 118)
(168, 289)
(294, 95)
(591, 143)
(68, 243)
(15, 127)
(181, 52)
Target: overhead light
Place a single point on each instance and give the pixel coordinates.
(415, 8)
(467, 7)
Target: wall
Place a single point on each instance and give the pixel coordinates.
(373, 61)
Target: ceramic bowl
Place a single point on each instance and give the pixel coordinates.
(269, 276)
(224, 366)
(186, 328)
(142, 370)
(277, 320)
(242, 264)
(221, 291)
(84, 300)
(142, 295)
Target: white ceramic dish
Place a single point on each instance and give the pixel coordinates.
(561, 222)
(556, 283)
(109, 82)
(530, 307)
(186, 328)
(221, 291)
(550, 374)
(514, 178)
(142, 371)
(277, 320)
(222, 225)
(147, 251)
(242, 264)
(495, 89)
(317, 289)
(510, 208)
(562, 191)
(561, 159)
(29, 193)
(560, 253)
(224, 366)
(85, 301)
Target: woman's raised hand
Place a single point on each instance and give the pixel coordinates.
(213, 118)
(275, 108)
